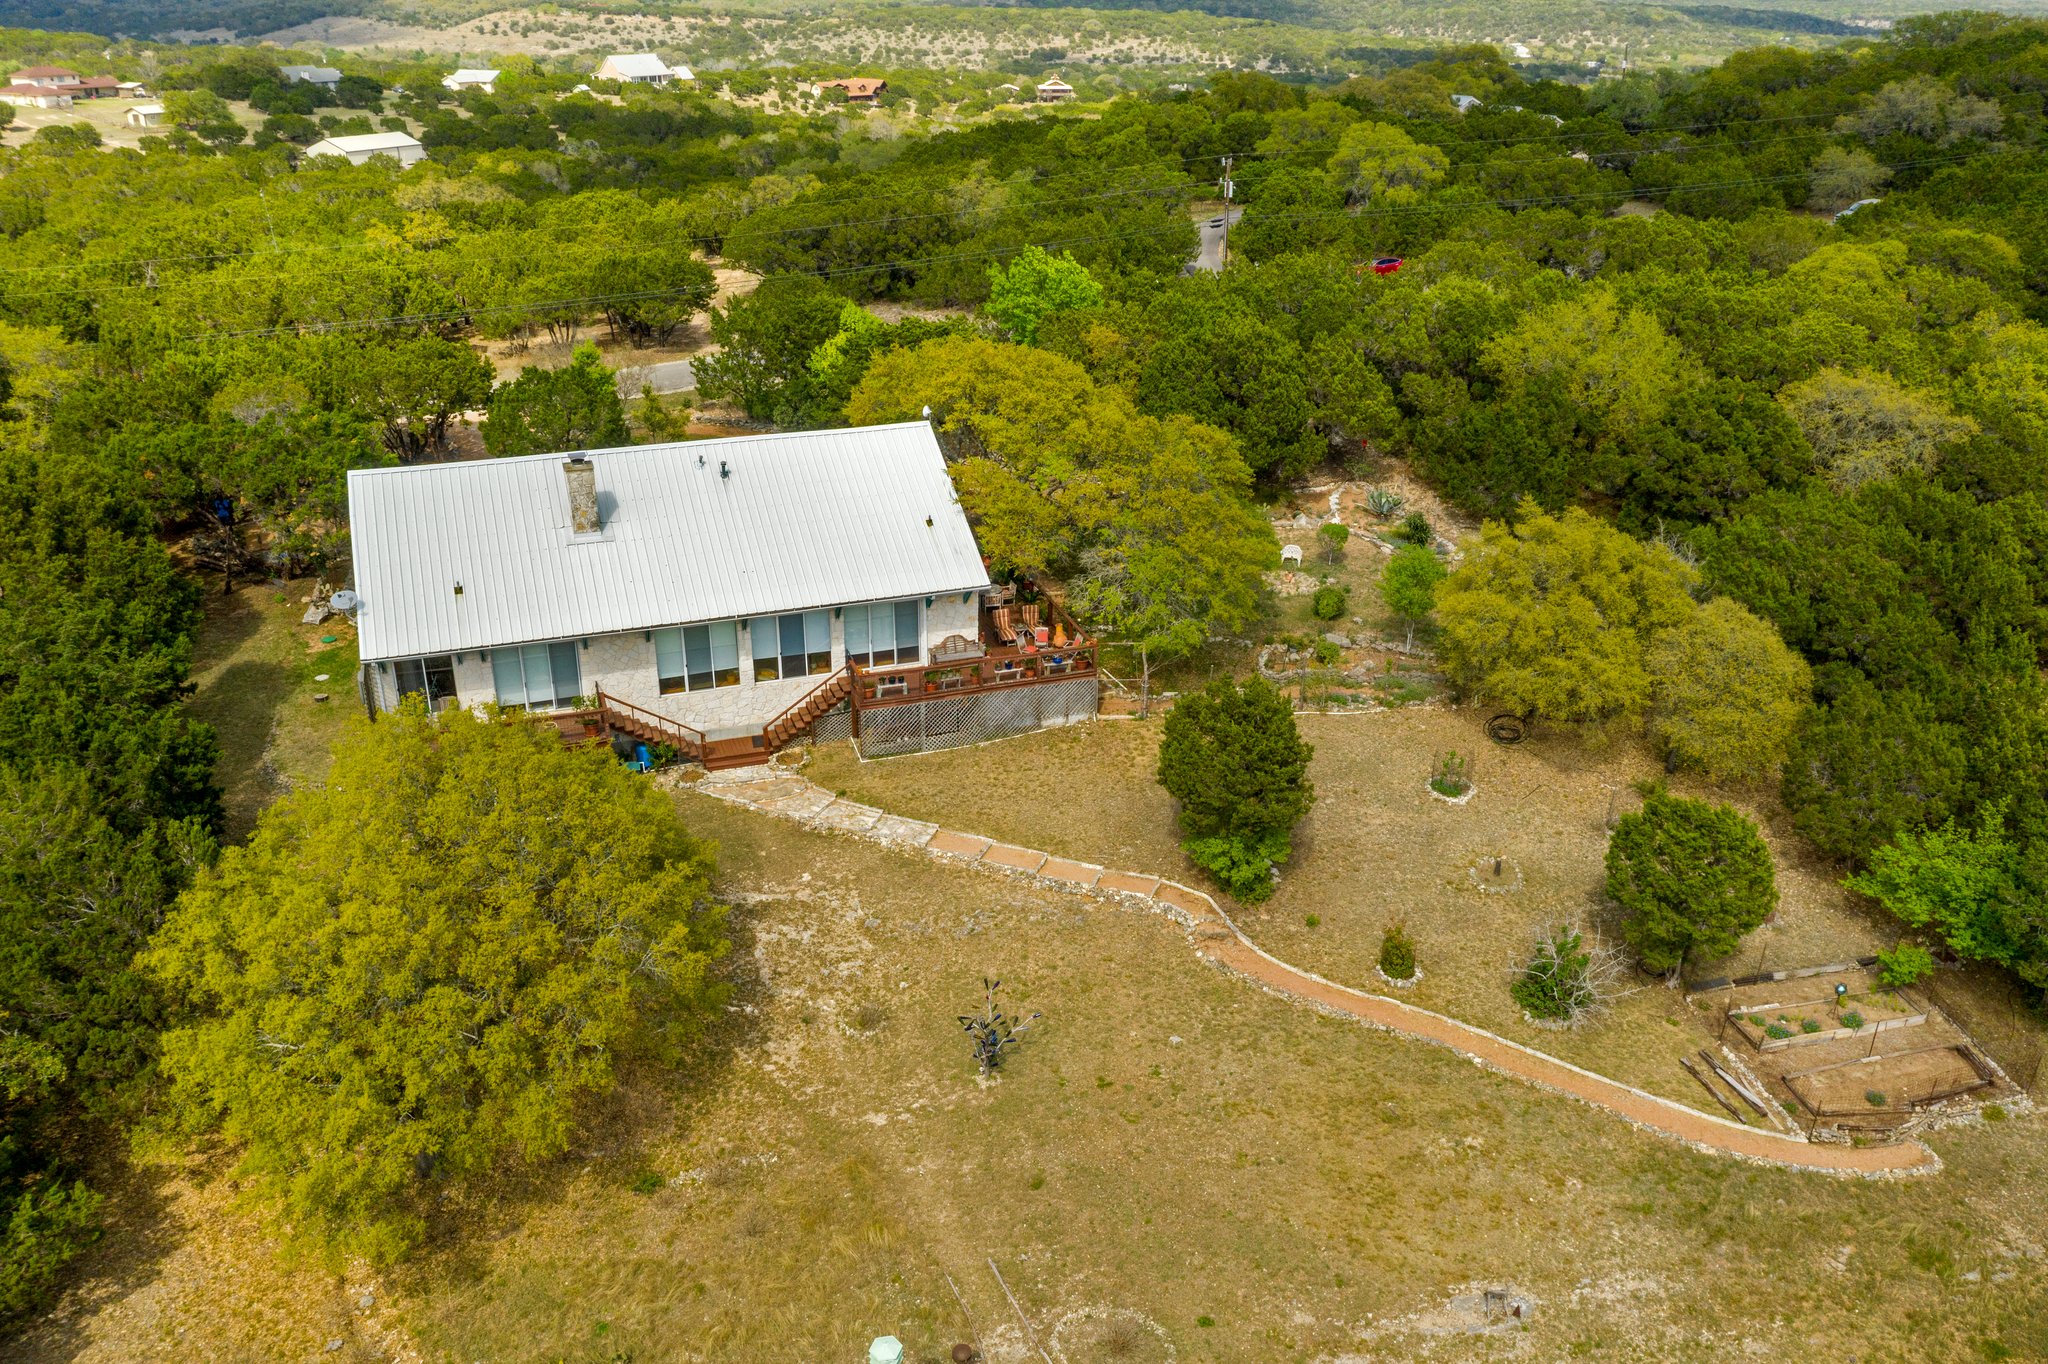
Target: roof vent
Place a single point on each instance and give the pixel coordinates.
(582, 478)
(724, 469)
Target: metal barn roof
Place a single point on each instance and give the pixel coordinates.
(702, 530)
(346, 143)
(640, 65)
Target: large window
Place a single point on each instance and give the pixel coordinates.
(537, 676)
(796, 645)
(698, 657)
(433, 678)
(886, 632)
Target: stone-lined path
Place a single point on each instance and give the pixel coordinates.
(789, 796)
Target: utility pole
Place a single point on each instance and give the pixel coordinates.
(1223, 251)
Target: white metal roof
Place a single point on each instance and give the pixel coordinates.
(362, 142)
(470, 75)
(324, 75)
(801, 519)
(640, 66)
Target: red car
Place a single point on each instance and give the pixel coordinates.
(1386, 265)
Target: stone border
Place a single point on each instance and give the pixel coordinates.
(780, 792)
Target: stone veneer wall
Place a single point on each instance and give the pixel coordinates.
(623, 665)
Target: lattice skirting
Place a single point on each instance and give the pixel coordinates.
(833, 727)
(953, 721)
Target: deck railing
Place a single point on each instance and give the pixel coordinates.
(686, 739)
(886, 684)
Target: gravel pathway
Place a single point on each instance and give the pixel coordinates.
(782, 793)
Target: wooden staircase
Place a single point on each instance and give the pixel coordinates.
(806, 710)
(716, 754)
(624, 717)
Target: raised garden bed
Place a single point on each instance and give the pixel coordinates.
(1773, 1027)
(1885, 1088)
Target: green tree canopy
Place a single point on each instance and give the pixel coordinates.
(1234, 759)
(765, 342)
(1035, 285)
(1408, 584)
(1865, 427)
(1972, 887)
(1728, 693)
(576, 407)
(429, 966)
(1554, 616)
(1691, 879)
(1381, 165)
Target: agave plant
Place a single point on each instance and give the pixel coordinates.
(1384, 502)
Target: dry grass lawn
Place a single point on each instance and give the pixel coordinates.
(1379, 847)
(1169, 1150)
(1172, 1161)
(254, 669)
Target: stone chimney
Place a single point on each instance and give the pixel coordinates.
(582, 478)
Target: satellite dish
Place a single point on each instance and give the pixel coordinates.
(344, 601)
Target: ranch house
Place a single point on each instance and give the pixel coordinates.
(717, 597)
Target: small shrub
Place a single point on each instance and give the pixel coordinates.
(1334, 535)
(1994, 1112)
(1327, 653)
(1120, 1339)
(1415, 529)
(1383, 502)
(1397, 953)
(1809, 1025)
(48, 1230)
(1555, 984)
(1777, 1031)
(1243, 865)
(1453, 775)
(1313, 920)
(869, 1016)
(1852, 1019)
(1205, 1322)
(648, 1182)
(1906, 964)
(993, 1032)
(1875, 1098)
(1329, 602)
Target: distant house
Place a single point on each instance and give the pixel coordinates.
(23, 95)
(719, 597)
(471, 78)
(859, 89)
(131, 90)
(56, 77)
(326, 77)
(1055, 91)
(61, 82)
(640, 68)
(146, 116)
(360, 147)
(1466, 103)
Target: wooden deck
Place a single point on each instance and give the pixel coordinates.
(998, 667)
(958, 666)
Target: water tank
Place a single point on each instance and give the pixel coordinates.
(885, 1350)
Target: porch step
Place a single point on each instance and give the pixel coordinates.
(748, 751)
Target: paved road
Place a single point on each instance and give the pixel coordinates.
(775, 791)
(1210, 257)
(669, 376)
